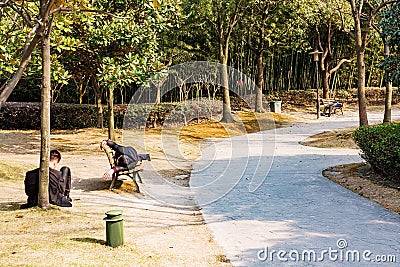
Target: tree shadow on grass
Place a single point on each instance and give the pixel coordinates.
(10, 206)
(93, 184)
(89, 240)
(98, 184)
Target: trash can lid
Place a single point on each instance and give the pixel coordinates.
(113, 213)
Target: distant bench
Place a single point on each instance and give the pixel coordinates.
(330, 106)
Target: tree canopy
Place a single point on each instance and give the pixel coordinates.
(98, 45)
(390, 24)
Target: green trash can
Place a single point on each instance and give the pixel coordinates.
(275, 106)
(114, 228)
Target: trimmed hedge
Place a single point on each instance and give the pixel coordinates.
(26, 116)
(380, 145)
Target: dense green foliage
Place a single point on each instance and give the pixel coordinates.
(127, 41)
(390, 24)
(380, 145)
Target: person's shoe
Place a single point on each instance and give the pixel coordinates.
(148, 157)
(65, 202)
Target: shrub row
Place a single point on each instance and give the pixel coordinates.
(63, 116)
(171, 114)
(380, 145)
(375, 96)
(26, 116)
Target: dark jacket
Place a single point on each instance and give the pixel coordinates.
(56, 191)
(126, 157)
(59, 186)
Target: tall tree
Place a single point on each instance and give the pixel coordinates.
(259, 14)
(327, 58)
(117, 52)
(223, 16)
(364, 14)
(43, 199)
(272, 25)
(390, 33)
(328, 25)
(39, 17)
(225, 21)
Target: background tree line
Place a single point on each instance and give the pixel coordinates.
(269, 37)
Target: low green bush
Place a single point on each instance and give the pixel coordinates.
(380, 145)
(26, 116)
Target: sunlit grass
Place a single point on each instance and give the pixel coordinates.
(11, 170)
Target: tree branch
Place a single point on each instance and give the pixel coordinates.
(319, 38)
(232, 22)
(249, 41)
(21, 13)
(29, 37)
(384, 4)
(340, 64)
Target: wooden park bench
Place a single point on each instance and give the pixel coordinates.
(330, 106)
(133, 173)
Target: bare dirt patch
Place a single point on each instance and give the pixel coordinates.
(332, 139)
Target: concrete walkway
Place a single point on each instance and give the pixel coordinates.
(274, 198)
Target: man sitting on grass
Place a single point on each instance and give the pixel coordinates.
(59, 184)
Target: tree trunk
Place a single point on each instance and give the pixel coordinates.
(325, 84)
(362, 100)
(260, 80)
(99, 106)
(387, 117)
(111, 131)
(99, 113)
(81, 93)
(360, 36)
(223, 57)
(158, 95)
(43, 198)
(226, 110)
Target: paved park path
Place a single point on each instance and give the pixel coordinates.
(295, 210)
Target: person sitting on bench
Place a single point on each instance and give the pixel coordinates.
(125, 157)
(332, 107)
(59, 184)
